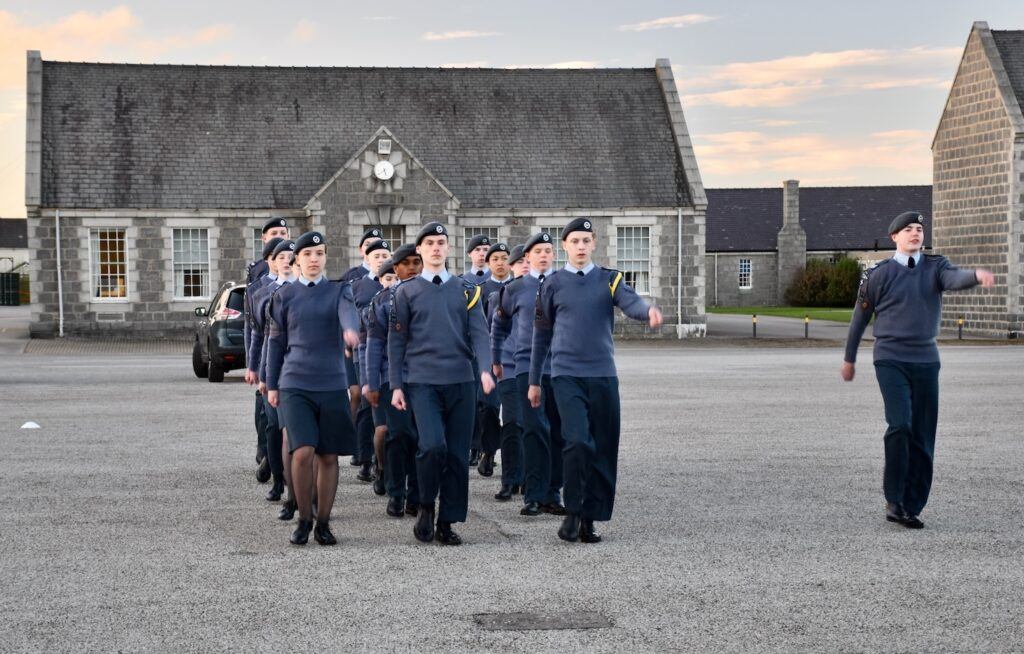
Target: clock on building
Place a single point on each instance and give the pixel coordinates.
(383, 170)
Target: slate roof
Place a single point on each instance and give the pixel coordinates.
(1011, 50)
(162, 136)
(13, 233)
(835, 218)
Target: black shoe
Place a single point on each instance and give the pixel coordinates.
(424, 529)
(895, 513)
(287, 511)
(301, 534)
(412, 508)
(518, 490)
(446, 535)
(322, 533)
(913, 521)
(275, 492)
(354, 461)
(587, 532)
(570, 529)
(505, 494)
(378, 483)
(554, 508)
(396, 507)
(263, 471)
(531, 508)
(364, 473)
(474, 457)
(486, 465)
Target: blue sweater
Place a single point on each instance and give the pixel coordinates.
(258, 301)
(363, 291)
(435, 333)
(507, 353)
(907, 306)
(354, 273)
(476, 279)
(250, 311)
(377, 325)
(306, 336)
(513, 321)
(575, 319)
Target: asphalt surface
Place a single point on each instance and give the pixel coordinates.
(748, 518)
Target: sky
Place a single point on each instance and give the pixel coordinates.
(829, 93)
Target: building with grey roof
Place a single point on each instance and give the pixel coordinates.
(159, 176)
(978, 180)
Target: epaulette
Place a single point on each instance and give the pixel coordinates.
(472, 292)
(614, 279)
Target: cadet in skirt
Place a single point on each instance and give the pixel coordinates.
(575, 318)
(438, 353)
(311, 322)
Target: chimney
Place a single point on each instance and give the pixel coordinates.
(791, 202)
(791, 244)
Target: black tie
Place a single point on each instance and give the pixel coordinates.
(479, 273)
(910, 262)
(579, 272)
(540, 277)
(311, 284)
(437, 279)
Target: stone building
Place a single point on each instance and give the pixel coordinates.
(757, 238)
(978, 180)
(159, 177)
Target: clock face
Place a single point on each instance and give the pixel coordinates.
(383, 170)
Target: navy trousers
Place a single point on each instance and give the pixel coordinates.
(590, 426)
(364, 426)
(261, 427)
(910, 392)
(488, 426)
(444, 425)
(542, 444)
(274, 440)
(511, 433)
(400, 477)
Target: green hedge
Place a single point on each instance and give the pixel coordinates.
(821, 284)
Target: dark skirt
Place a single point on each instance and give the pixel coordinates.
(318, 419)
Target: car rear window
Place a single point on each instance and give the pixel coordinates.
(236, 299)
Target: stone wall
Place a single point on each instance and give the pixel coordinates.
(723, 289)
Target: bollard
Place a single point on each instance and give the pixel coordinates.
(807, 326)
(754, 323)
(960, 328)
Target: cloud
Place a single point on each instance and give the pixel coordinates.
(303, 32)
(451, 36)
(675, 22)
(773, 96)
(902, 83)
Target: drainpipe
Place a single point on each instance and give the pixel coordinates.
(60, 278)
(679, 273)
(716, 279)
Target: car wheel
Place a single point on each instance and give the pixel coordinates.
(201, 369)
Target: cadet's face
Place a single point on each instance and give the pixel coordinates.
(540, 256)
(377, 257)
(275, 232)
(521, 267)
(579, 248)
(409, 267)
(284, 264)
(362, 246)
(388, 280)
(910, 239)
(433, 250)
(478, 254)
(272, 264)
(498, 263)
(312, 261)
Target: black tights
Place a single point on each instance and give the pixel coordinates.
(324, 478)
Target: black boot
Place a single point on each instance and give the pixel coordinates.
(505, 494)
(364, 473)
(474, 457)
(446, 535)
(587, 533)
(301, 534)
(570, 529)
(378, 483)
(263, 471)
(396, 507)
(424, 529)
(287, 511)
(322, 533)
(486, 465)
(275, 492)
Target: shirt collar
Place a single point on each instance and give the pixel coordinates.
(902, 259)
(305, 282)
(429, 276)
(502, 281)
(536, 274)
(272, 277)
(364, 266)
(586, 269)
(475, 270)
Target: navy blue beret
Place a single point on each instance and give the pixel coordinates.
(494, 249)
(431, 229)
(477, 241)
(379, 244)
(578, 225)
(373, 232)
(309, 239)
(268, 247)
(904, 219)
(274, 222)
(284, 245)
(517, 254)
(403, 252)
(536, 239)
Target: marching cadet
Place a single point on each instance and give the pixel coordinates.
(437, 349)
(401, 484)
(487, 434)
(575, 318)
(280, 268)
(503, 369)
(273, 228)
(904, 294)
(477, 250)
(375, 252)
(311, 321)
(356, 401)
(541, 423)
(261, 273)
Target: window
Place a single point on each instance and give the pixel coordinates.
(556, 243)
(470, 232)
(393, 234)
(745, 277)
(191, 263)
(633, 256)
(108, 264)
(257, 244)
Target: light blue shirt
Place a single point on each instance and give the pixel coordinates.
(586, 270)
(305, 282)
(429, 276)
(537, 273)
(902, 259)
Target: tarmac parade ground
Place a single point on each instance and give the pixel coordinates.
(749, 517)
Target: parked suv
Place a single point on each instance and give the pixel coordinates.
(220, 342)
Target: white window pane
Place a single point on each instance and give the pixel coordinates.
(108, 263)
(191, 263)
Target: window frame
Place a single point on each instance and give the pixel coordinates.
(749, 273)
(94, 274)
(493, 232)
(629, 276)
(208, 281)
